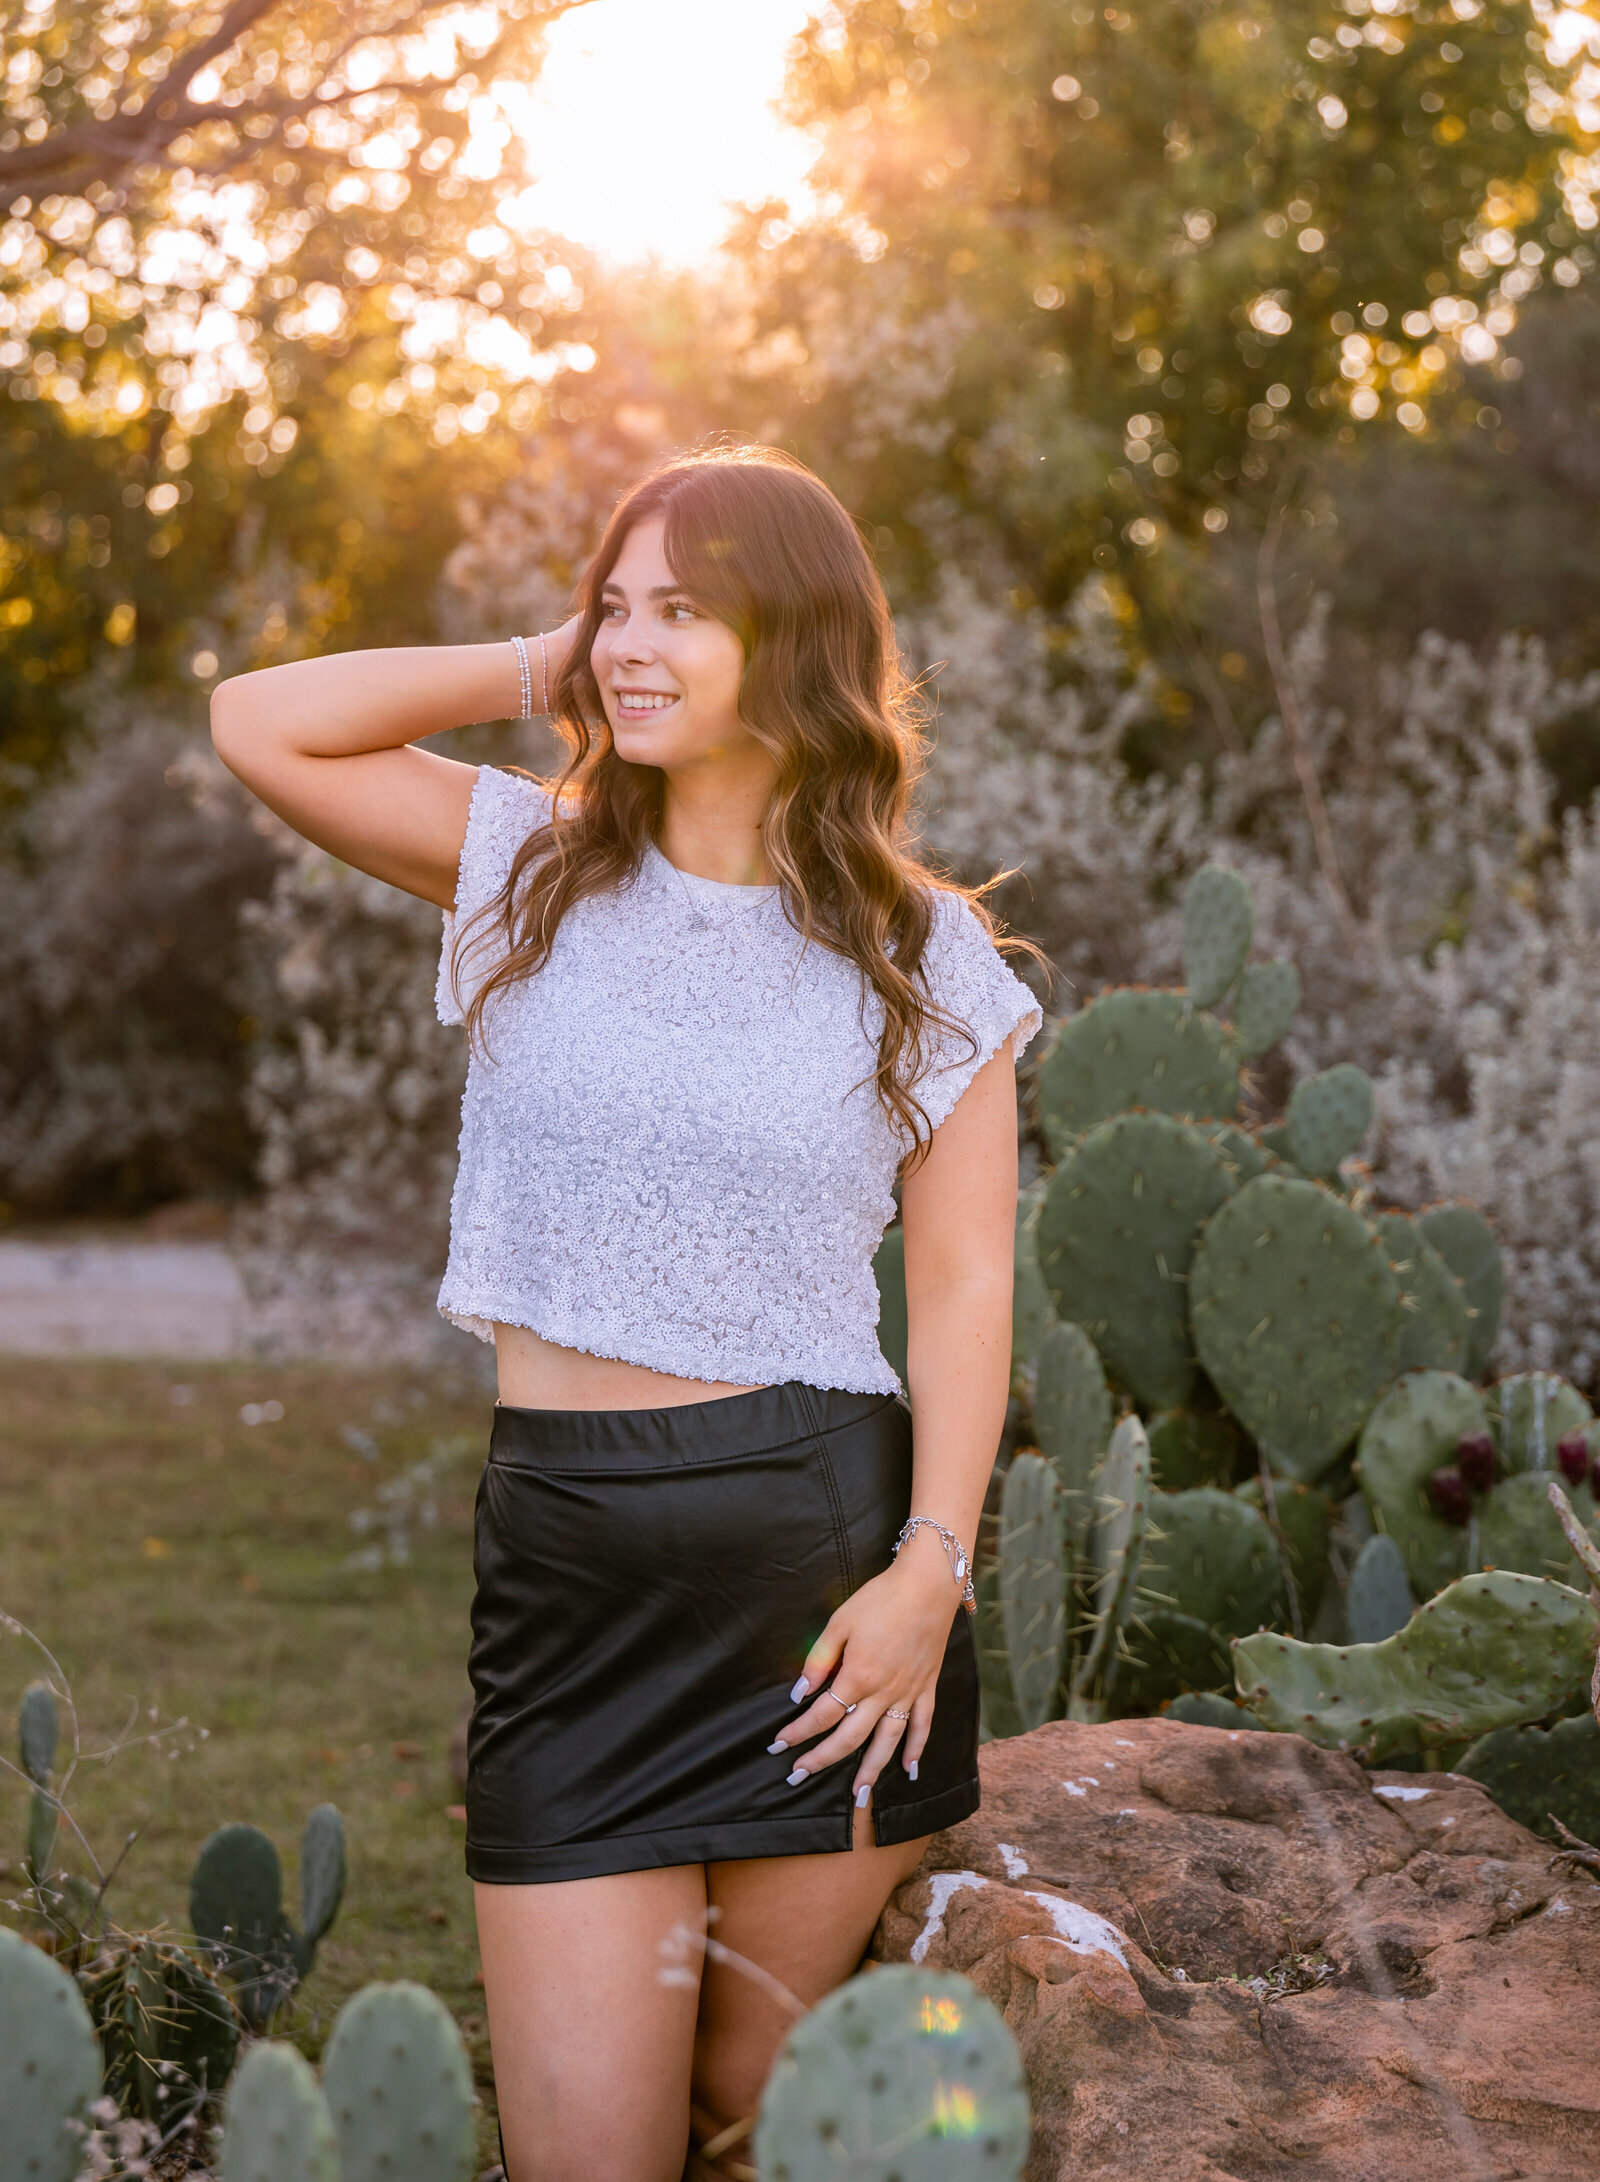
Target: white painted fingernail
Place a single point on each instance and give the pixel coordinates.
(774, 1748)
(911, 1770)
(799, 1690)
(797, 1776)
(862, 1794)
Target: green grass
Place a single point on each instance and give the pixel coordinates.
(184, 1565)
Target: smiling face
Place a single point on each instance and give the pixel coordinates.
(668, 672)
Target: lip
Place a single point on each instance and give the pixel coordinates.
(640, 691)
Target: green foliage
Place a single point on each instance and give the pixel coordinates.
(1538, 1774)
(1034, 1586)
(236, 1908)
(49, 2065)
(1192, 1447)
(278, 2125)
(1328, 1116)
(1168, 1652)
(907, 2073)
(168, 2029)
(1122, 1492)
(1518, 1528)
(1490, 1651)
(1302, 1519)
(1411, 1433)
(1135, 1048)
(399, 2088)
(1219, 922)
(1436, 1321)
(1295, 1312)
(1031, 1314)
(1466, 1242)
(1265, 1006)
(1071, 1414)
(1116, 1237)
(1213, 1557)
(889, 1271)
(1378, 1598)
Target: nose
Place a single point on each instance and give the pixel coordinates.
(632, 641)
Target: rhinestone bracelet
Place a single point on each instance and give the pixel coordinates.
(955, 1553)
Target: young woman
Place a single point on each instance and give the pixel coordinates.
(716, 1008)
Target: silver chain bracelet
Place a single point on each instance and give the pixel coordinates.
(955, 1553)
(524, 678)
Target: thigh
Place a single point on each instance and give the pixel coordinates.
(803, 1920)
(592, 2048)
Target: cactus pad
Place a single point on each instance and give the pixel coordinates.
(38, 1730)
(1378, 1599)
(1535, 1774)
(1191, 1447)
(1488, 1652)
(396, 2079)
(1204, 1708)
(1518, 1528)
(322, 1876)
(1033, 1586)
(1328, 1116)
(907, 2072)
(1071, 1413)
(1245, 1156)
(1264, 1006)
(1531, 1414)
(1304, 1517)
(1167, 1654)
(889, 1271)
(1411, 1433)
(1122, 1503)
(1031, 1314)
(1435, 1323)
(49, 2065)
(278, 2127)
(1295, 1310)
(1116, 1237)
(1135, 1048)
(166, 2025)
(1209, 1555)
(1466, 1242)
(1219, 922)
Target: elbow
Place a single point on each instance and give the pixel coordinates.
(227, 721)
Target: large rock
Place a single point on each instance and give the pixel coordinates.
(1232, 1955)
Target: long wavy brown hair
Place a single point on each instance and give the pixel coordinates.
(758, 541)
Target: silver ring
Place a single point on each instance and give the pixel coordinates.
(838, 1701)
(893, 1712)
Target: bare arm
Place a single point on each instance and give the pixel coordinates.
(325, 744)
(886, 1643)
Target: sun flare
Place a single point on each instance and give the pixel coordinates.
(653, 118)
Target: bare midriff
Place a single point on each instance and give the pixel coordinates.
(538, 1374)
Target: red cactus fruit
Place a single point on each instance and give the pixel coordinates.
(1447, 1489)
(1572, 1452)
(1475, 1460)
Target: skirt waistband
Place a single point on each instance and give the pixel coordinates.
(760, 1422)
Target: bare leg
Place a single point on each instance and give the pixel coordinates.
(806, 1920)
(592, 2052)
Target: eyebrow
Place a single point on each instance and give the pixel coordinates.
(656, 591)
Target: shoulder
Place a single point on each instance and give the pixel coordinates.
(968, 979)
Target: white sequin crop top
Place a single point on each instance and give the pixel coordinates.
(668, 1157)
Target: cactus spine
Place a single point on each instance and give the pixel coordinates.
(49, 2065)
(908, 2072)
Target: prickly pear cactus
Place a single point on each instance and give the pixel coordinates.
(1122, 1495)
(1219, 922)
(1537, 1774)
(236, 1908)
(1466, 1242)
(1116, 1237)
(889, 1271)
(1245, 1156)
(1413, 1432)
(166, 2026)
(1212, 1557)
(1134, 1048)
(1530, 1414)
(905, 2073)
(1435, 1324)
(1168, 1654)
(1031, 1312)
(1295, 1310)
(1327, 1118)
(1518, 1528)
(1265, 1005)
(1071, 1415)
(1378, 1600)
(38, 1731)
(1192, 1447)
(49, 2065)
(397, 2083)
(278, 2128)
(1490, 1651)
(322, 1877)
(1033, 1586)
(1301, 1518)
(1204, 1708)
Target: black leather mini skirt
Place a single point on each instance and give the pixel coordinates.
(649, 1583)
